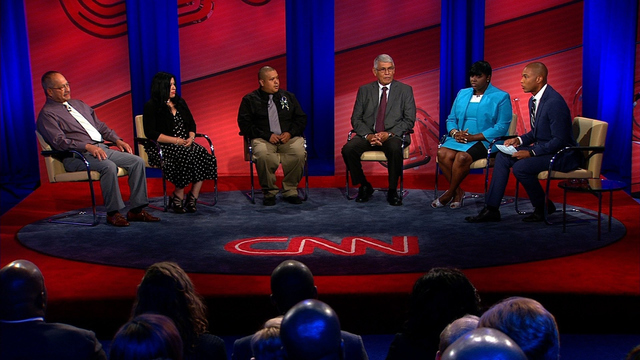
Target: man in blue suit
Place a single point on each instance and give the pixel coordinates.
(551, 131)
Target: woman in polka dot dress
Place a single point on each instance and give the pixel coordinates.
(168, 121)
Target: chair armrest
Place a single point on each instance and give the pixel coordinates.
(67, 153)
(206, 137)
(351, 132)
(146, 141)
(594, 150)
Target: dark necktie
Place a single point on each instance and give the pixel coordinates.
(533, 112)
(274, 121)
(382, 108)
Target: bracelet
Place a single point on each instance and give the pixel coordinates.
(178, 139)
(531, 153)
(453, 132)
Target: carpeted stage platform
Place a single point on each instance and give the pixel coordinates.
(589, 285)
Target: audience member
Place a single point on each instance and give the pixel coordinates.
(479, 114)
(24, 333)
(266, 343)
(551, 131)
(454, 331)
(383, 111)
(311, 331)
(70, 124)
(484, 344)
(634, 354)
(274, 122)
(528, 323)
(292, 282)
(168, 120)
(167, 290)
(439, 297)
(147, 337)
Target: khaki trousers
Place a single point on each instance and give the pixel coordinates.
(268, 157)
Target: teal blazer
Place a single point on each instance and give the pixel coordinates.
(493, 116)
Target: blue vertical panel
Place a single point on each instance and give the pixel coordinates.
(609, 33)
(310, 75)
(154, 45)
(19, 150)
(461, 44)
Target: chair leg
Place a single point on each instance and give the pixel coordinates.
(516, 200)
(94, 222)
(215, 195)
(349, 197)
(165, 202)
(251, 195)
(306, 180)
(402, 183)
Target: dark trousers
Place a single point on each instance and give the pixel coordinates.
(392, 149)
(525, 170)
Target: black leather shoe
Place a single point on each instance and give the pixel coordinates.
(269, 201)
(534, 217)
(293, 200)
(538, 213)
(364, 193)
(485, 215)
(393, 198)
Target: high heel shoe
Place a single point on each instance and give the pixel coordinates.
(437, 204)
(176, 203)
(457, 204)
(190, 203)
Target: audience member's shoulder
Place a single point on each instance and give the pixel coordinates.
(242, 348)
(209, 347)
(58, 340)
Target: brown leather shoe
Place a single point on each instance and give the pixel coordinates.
(117, 220)
(141, 216)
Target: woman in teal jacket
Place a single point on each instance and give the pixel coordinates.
(479, 114)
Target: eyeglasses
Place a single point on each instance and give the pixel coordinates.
(61, 87)
(385, 70)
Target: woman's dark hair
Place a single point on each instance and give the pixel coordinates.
(439, 297)
(166, 289)
(148, 336)
(480, 68)
(161, 87)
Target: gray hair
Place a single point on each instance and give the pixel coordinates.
(382, 58)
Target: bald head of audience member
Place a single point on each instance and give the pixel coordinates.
(528, 323)
(484, 344)
(23, 292)
(455, 330)
(291, 282)
(310, 330)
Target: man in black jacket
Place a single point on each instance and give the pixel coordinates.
(274, 122)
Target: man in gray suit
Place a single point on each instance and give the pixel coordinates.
(384, 110)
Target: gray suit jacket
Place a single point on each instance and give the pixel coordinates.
(401, 109)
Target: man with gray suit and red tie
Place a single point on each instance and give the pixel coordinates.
(551, 131)
(383, 111)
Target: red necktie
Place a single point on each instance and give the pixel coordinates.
(382, 108)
